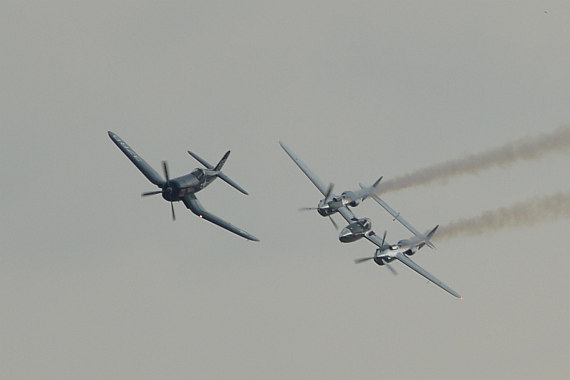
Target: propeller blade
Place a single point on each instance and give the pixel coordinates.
(165, 169)
(151, 193)
(333, 222)
(172, 209)
(392, 269)
(358, 261)
(387, 264)
(308, 208)
(384, 237)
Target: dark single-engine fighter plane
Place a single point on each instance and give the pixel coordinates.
(183, 188)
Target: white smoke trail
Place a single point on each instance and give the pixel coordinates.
(521, 214)
(524, 149)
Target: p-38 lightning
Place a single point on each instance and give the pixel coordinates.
(332, 203)
(358, 228)
(184, 188)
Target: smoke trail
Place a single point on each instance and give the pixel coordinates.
(524, 149)
(522, 214)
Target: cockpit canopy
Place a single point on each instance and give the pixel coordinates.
(199, 173)
(365, 223)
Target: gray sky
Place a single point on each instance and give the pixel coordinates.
(97, 283)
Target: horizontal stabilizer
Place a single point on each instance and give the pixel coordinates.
(201, 160)
(221, 175)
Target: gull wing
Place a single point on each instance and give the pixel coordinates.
(141, 164)
(194, 205)
(403, 221)
(407, 261)
(314, 179)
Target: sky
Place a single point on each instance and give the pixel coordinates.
(98, 283)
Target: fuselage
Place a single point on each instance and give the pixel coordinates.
(355, 231)
(191, 183)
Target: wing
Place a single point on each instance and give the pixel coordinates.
(347, 214)
(403, 221)
(193, 205)
(141, 164)
(314, 179)
(376, 240)
(406, 260)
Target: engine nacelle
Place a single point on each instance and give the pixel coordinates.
(354, 203)
(352, 199)
(382, 260)
(355, 231)
(330, 207)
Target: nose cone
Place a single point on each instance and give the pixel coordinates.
(346, 235)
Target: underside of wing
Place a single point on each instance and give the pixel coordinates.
(194, 205)
(407, 261)
(141, 164)
(314, 179)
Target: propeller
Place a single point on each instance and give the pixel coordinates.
(386, 263)
(358, 261)
(172, 209)
(165, 188)
(390, 267)
(151, 193)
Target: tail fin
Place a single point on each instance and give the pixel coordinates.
(429, 236)
(369, 191)
(222, 162)
(375, 185)
(432, 232)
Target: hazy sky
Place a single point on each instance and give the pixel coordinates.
(97, 283)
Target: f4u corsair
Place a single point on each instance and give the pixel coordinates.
(362, 227)
(183, 188)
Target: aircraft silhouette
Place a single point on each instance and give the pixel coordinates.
(185, 187)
